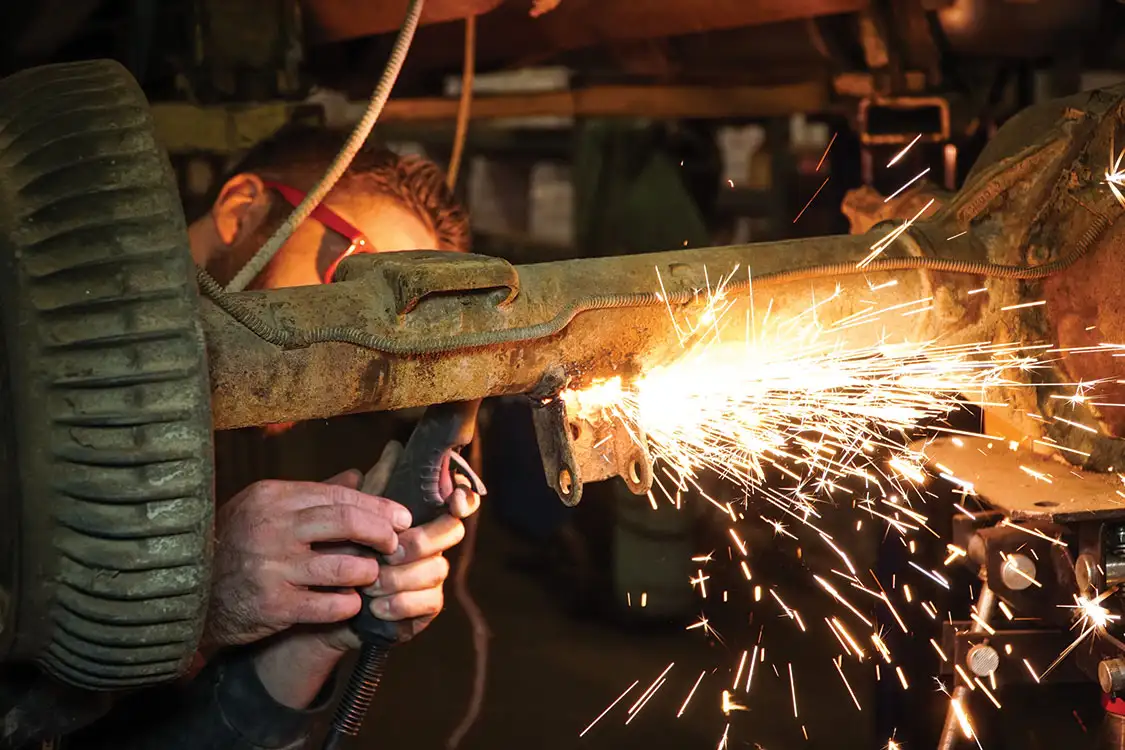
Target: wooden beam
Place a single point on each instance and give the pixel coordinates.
(657, 102)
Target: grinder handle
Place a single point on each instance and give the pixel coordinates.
(416, 483)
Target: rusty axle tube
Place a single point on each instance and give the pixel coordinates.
(423, 299)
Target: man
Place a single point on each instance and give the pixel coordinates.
(283, 586)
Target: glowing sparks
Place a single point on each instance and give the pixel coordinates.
(840, 670)
(898, 157)
(1037, 303)
(914, 179)
(690, 694)
(738, 674)
(988, 693)
(609, 708)
(729, 705)
(1115, 176)
(962, 718)
(1090, 618)
(802, 212)
(878, 248)
(793, 689)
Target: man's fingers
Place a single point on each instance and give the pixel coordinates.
(380, 474)
(415, 576)
(338, 571)
(293, 496)
(428, 540)
(345, 523)
(463, 503)
(322, 608)
(408, 605)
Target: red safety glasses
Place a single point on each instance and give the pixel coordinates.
(327, 217)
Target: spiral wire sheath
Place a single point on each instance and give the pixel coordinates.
(343, 160)
(397, 346)
(364, 682)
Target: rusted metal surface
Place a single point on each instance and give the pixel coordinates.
(1087, 307)
(510, 33)
(865, 207)
(333, 20)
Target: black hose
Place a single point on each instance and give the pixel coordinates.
(396, 345)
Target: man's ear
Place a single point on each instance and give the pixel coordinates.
(243, 204)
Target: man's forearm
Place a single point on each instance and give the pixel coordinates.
(228, 706)
(294, 670)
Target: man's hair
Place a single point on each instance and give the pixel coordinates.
(299, 155)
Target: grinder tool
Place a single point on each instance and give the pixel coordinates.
(422, 481)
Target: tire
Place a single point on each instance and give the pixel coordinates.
(106, 505)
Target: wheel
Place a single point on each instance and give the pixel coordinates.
(106, 510)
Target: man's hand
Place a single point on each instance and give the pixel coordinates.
(409, 588)
(294, 667)
(269, 577)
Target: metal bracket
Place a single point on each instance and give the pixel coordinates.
(1038, 646)
(577, 450)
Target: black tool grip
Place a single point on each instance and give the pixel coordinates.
(421, 481)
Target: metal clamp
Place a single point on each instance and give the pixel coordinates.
(415, 275)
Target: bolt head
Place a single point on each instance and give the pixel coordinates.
(1087, 574)
(1017, 572)
(983, 660)
(1111, 675)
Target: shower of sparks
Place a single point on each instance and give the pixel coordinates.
(791, 412)
(798, 419)
(792, 415)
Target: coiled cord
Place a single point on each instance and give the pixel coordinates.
(364, 683)
(398, 346)
(343, 160)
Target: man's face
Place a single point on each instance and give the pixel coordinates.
(240, 224)
(386, 226)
